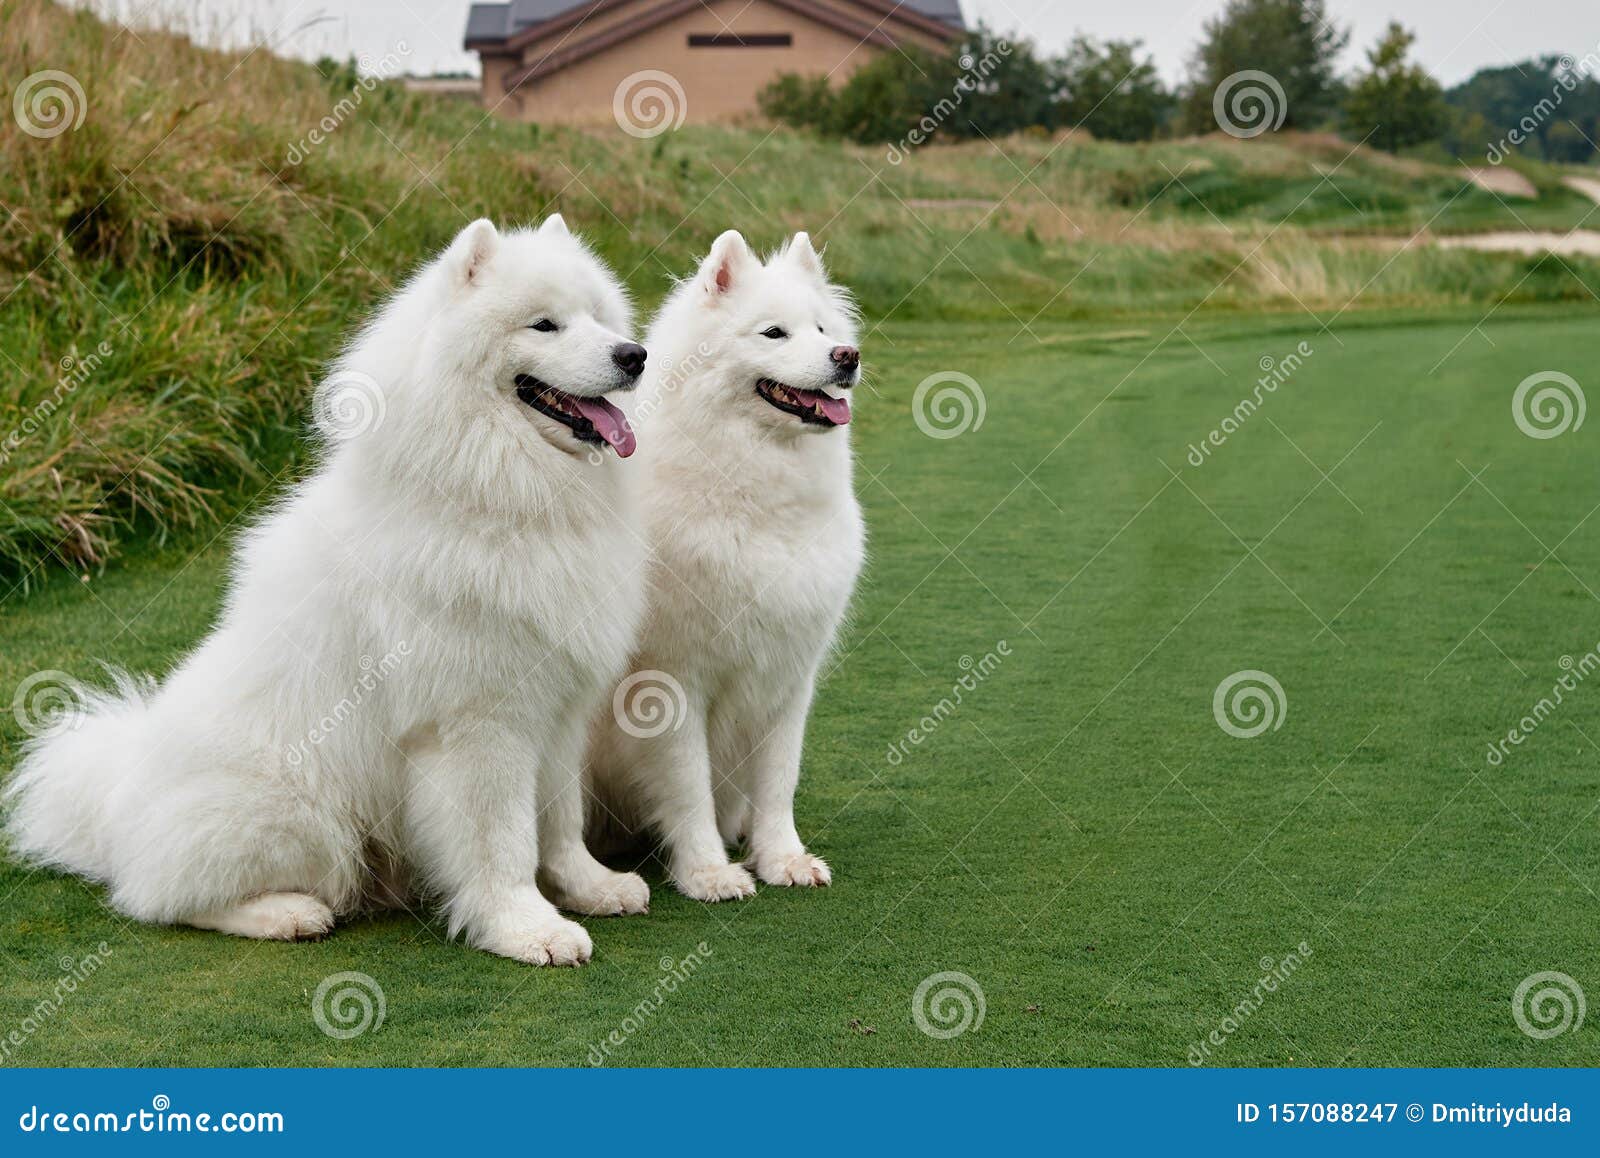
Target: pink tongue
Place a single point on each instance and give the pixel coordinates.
(609, 423)
(837, 409)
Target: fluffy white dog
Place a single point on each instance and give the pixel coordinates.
(756, 541)
(469, 523)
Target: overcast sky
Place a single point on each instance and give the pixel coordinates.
(1455, 37)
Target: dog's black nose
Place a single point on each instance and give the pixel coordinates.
(846, 358)
(629, 357)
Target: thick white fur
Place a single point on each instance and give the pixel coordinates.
(475, 545)
(756, 541)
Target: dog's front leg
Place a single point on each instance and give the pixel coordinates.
(472, 822)
(776, 851)
(672, 772)
(572, 877)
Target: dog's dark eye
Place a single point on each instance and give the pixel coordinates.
(544, 326)
(774, 332)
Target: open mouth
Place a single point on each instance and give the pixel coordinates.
(811, 406)
(590, 419)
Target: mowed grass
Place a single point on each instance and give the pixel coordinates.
(1079, 836)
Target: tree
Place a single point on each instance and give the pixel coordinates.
(1549, 108)
(998, 87)
(887, 97)
(1293, 42)
(1108, 90)
(1566, 143)
(1394, 103)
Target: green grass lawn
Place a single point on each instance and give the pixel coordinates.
(1080, 836)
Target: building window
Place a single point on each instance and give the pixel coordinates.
(740, 40)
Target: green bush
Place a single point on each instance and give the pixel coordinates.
(1109, 91)
(887, 97)
(803, 101)
(984, 87)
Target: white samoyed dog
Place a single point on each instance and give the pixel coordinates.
(756, 542)
(470, 524)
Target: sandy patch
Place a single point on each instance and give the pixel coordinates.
(949, 203)
(1588, 186)
(1506, 182)
(1578, 243)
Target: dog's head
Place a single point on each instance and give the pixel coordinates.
(784, 337)
(543, 328)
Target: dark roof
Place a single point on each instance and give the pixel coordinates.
(493, 22)
(500, 21)
(949, 11)
(487, 22)
(526, 12)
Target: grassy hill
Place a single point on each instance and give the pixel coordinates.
(175, 270)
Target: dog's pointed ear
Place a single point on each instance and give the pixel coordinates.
(728, 263)
(472, 250)
(554, 225)
(803, 256)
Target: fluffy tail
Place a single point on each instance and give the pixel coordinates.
(68, 772)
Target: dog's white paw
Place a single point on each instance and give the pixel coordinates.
(540, 941)
(271, 917)
(613, 895)
(716, 882)
(797, 869)
(291, 917)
